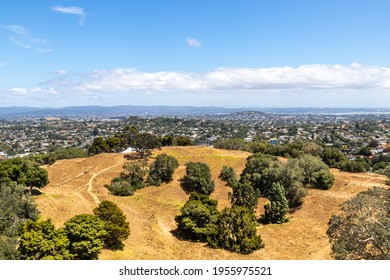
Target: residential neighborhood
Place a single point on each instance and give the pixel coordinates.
(353, 134)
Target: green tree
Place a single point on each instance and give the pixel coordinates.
(86, 234)
(197, 217)
(235, 230)
(316, 172)
(8, 248)
(262, 171)
(144, 143)
(113, 144)
(120, 187)
(354, 166)
(162, 169)
(182, 141)
(134, 172)
(197, 178)
(361, 230)
(41, 241)
(333, 157)
(16, 207)
(312, 148)
(292, 178)
(114, 223)
(244, 195)
(23, 172)
(98, 146)
(228, 175)
(277, 209)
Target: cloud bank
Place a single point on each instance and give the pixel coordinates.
(315, 77)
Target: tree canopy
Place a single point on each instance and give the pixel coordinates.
(114, 223)
(197, 178)
(235, 230)
(162, 169)
(86, 234)
(197, 217)
(362, 229)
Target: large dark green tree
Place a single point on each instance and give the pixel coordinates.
(198, 178)
(244, 194)
(98, 146)
(262, 171)
(114, 223)
(277, 209)
(235, 230)
(144, 143)
(362, 229)
(162, 169)
(197, 217)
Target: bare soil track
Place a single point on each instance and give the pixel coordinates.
(77, 185)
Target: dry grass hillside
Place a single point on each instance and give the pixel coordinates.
(76, 186)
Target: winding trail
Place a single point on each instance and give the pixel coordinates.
(90, 182)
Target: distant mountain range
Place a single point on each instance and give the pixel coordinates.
(128, 110)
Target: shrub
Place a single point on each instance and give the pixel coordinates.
(120, 187)
(228, 175)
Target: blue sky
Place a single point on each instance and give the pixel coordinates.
(243, 53)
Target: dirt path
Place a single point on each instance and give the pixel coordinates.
(90, 182)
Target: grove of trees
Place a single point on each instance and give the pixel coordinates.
(137, 174)
(81, 238)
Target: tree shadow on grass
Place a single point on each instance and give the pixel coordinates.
(36, 192)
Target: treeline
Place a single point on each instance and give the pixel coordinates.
(332, 156)
(142, 143)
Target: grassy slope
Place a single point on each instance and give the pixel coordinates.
(151, 211)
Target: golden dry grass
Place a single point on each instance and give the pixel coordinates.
(76, 184)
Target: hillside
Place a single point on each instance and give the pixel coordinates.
(76, 186)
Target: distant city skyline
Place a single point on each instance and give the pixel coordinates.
(242, 53)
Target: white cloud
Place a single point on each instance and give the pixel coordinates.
(61, 72)
(77, 11)
(21, 37)
(20, 30)
(193, 42)
(33, 91)
(313, 77)
(306, 78)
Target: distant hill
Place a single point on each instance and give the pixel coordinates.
(129, 110)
